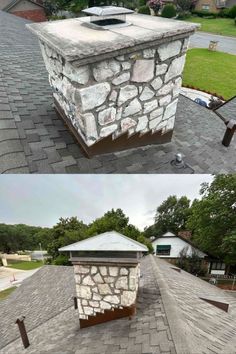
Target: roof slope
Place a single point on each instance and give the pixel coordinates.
(108, 241)
(147, 332)
(196, 326)
(34, 140)
(15, 2)
(39, 298)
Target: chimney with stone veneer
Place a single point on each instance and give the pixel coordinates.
(115, 79)
(106, 270)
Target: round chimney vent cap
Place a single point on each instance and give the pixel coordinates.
(107, 11)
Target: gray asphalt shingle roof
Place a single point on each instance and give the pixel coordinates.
(34, 140)
(171, 318)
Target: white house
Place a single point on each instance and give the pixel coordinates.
(169, 246)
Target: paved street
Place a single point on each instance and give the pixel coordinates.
(7, 274)
(202, 39)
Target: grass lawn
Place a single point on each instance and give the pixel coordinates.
(4, 294)
(223, 26)
(211, 71)
(24, 265)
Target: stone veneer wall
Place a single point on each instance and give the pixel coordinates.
(135, 92)
(104, 287)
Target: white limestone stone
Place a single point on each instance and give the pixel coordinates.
(113, 96)
(101, 108)
(79, 75)
(150, 106)
(105, 305)
(149, 53)
(119, 113)
(81, 269)
(122, 283)
(88, 280)
(127, 123)
(105, 69)
(153, 123)
(169, 50)
(126, 65)
(165, 100)
(161, 69)
(170, 123)
(146, 94)
(104, 289)
(84, 302)
(121, 78)
(109, 280)
(164, 90)
(175, 68)
(108, 130)
(94, 270)
(128, 298)
(126, 93)
(84, 292)
(94, 303)
(77, 278)
(185, 45)
(132, 280)
(96, 297)
(88, 310)
(107, 116)
(143, 70)
(103, 270)
(90, 127)
(112, 299)
(113, 271)
(120, 58)
(133, 108)
(170, 110)
(156, 113)
(98, 279)
(157, 83)
(92, 96)
(133, 272)
(177, 86)
(161, 126)
(124, 271)
(142, 124)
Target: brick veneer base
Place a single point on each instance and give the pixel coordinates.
(33, 15)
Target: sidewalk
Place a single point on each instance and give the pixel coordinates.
(8, 274)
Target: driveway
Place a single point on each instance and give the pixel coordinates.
(202, 39)
(8, 274)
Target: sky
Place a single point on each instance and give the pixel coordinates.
(41, 200)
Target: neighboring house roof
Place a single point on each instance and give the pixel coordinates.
(108, 241)
(171, 235)
(34, 140)
(170, 318)
(13, 3)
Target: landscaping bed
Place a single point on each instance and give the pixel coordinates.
(5, 293)
(203, 71)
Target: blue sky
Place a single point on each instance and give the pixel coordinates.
(42, 199)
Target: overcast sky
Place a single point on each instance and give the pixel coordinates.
(41, 199)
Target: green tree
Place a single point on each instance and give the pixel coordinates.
(171, 215)
(213, 218)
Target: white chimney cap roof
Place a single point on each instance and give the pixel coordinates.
(108, 241)
(107, 11)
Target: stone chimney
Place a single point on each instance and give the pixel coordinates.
(106, 270)
(115, 76)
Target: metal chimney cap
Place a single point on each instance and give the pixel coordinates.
(107, 11)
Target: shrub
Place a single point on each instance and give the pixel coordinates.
(155, 5)
(235, 21)
(142, 2)
(232, 12)
(144, 10)
(205, 14)
(183, 15)
(223, 13)
(61, 260)
(168, 11)
(55, 18)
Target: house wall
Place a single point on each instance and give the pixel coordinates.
(4, 3)
(176, 246)
(24, 5)
(28, 10)
(211, 3)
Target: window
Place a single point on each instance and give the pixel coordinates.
(218, 266)
(163, 250)
(205, 7)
